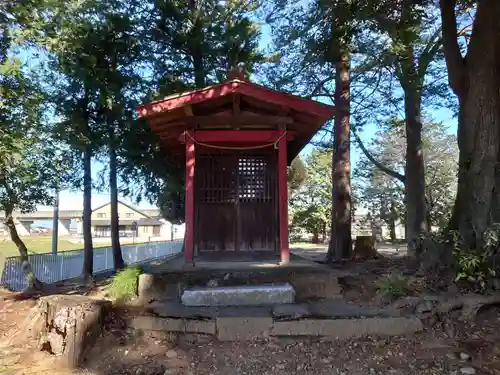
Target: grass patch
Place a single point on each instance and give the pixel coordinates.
(394, 285)
(124, 284)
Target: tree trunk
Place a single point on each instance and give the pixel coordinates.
(340, 245)
(88, 260)
(33, 282)
(196, 38)
(476, 81)
(315, 238)
(55, 224)
(118, 263)
(68, 326)
(392, 229)
(415, 170)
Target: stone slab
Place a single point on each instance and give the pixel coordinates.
(340, 309)
(169, 309)
(200, 326)
(316, 285)
(243, 329)
(342, 329)
(152, 288)
(247, 295)
(291, 311)
(174, 309)
(150, 323)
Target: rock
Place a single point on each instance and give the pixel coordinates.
(472, 304)
(425, 307)
(451, 356)
(212, 283)
(406, 302)
(145, 287)
(445, 307)
(464, 356)
(171, 354)
(316, 285)
(467, 371)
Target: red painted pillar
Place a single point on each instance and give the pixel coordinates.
(189, 205)
(283, 199)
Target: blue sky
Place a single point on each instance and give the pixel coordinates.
(74, 199)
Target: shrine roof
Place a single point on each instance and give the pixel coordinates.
(236, 103)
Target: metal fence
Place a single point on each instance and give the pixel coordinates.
(50, 268)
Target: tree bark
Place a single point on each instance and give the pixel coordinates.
(196, 39)
(68, 326)
(33, 282)
(113, 187)
(475, 80)
(88, 260)
(414, 169)
(55, 224)
(340, 245)
(392, 229)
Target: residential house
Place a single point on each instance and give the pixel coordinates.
(132, 222)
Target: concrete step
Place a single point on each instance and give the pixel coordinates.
(246, 295)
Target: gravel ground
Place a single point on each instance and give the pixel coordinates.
(429, 352)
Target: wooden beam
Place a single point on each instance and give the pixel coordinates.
(188, 110)
(238, 136)
(243, 119)
(236, 110)
(283, 200)
(189, 203)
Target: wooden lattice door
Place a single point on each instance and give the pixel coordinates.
(236, 200)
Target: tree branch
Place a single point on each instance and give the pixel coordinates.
(454, 60)
(379, 165)
(431, 49)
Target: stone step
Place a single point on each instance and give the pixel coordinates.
(249, 328)
(247, 295)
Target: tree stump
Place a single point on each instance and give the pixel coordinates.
(364, 248)
(68, 325)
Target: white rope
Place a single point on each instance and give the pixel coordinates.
(275, 144)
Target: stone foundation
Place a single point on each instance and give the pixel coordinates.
(308, 283)
(331, 321)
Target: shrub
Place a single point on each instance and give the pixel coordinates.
(124, 284)
(394, 285)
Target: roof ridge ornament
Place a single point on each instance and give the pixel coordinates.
(237, 72)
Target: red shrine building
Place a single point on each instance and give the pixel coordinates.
(236, 139)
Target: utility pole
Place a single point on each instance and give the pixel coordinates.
(55, 224)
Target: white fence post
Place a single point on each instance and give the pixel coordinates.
(62, 266)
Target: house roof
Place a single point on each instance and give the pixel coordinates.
(126, 205)
(140, 222)
(169, 117)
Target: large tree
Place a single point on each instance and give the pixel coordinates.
(475, 79)
(310, 205)
(71, 38)
(409, 49)
(384, 194)
(118, 58)
(27, 173)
